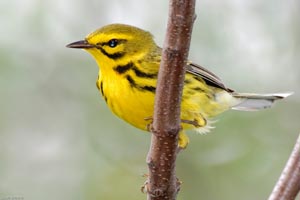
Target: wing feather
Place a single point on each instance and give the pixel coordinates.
(209, 77)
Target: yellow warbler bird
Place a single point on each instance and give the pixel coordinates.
(128, 61)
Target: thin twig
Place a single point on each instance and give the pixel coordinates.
(288, 185)
(162, 181)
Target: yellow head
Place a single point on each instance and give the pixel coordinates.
(117, 42)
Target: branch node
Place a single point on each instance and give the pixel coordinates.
(156, 193)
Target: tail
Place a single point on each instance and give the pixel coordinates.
(254, 102)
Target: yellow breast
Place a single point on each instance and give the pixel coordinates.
(129, 96)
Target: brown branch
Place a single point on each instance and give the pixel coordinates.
(288, 185)
(162, 181)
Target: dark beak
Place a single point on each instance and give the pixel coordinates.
(82, 44)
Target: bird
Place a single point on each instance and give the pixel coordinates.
(128, 59)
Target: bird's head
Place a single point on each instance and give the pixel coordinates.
(117, 42)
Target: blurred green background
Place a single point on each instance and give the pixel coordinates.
(58, 140)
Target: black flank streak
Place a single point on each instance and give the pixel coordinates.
(97, 85)
(131, 81)
(101, 88)
(191, 92)
(102, 92)
(198, 89)
(139, 87)
(97, 82)
(142, 74)
(187, 81)
(149, 88)
(121, 69)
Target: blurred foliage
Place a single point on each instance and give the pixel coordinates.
(58, 140)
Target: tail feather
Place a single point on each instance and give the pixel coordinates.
(254, 102)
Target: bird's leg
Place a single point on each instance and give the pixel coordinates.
(149, 126)
(145, 188)
(185, 121)
(183, 139)
(195, 122)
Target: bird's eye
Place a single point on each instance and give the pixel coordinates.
(113, 43)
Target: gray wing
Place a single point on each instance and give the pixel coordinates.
(209, 77)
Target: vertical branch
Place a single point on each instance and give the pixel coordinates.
(288, 185)
(162, 181)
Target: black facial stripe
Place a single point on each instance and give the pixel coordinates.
(113, 56)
